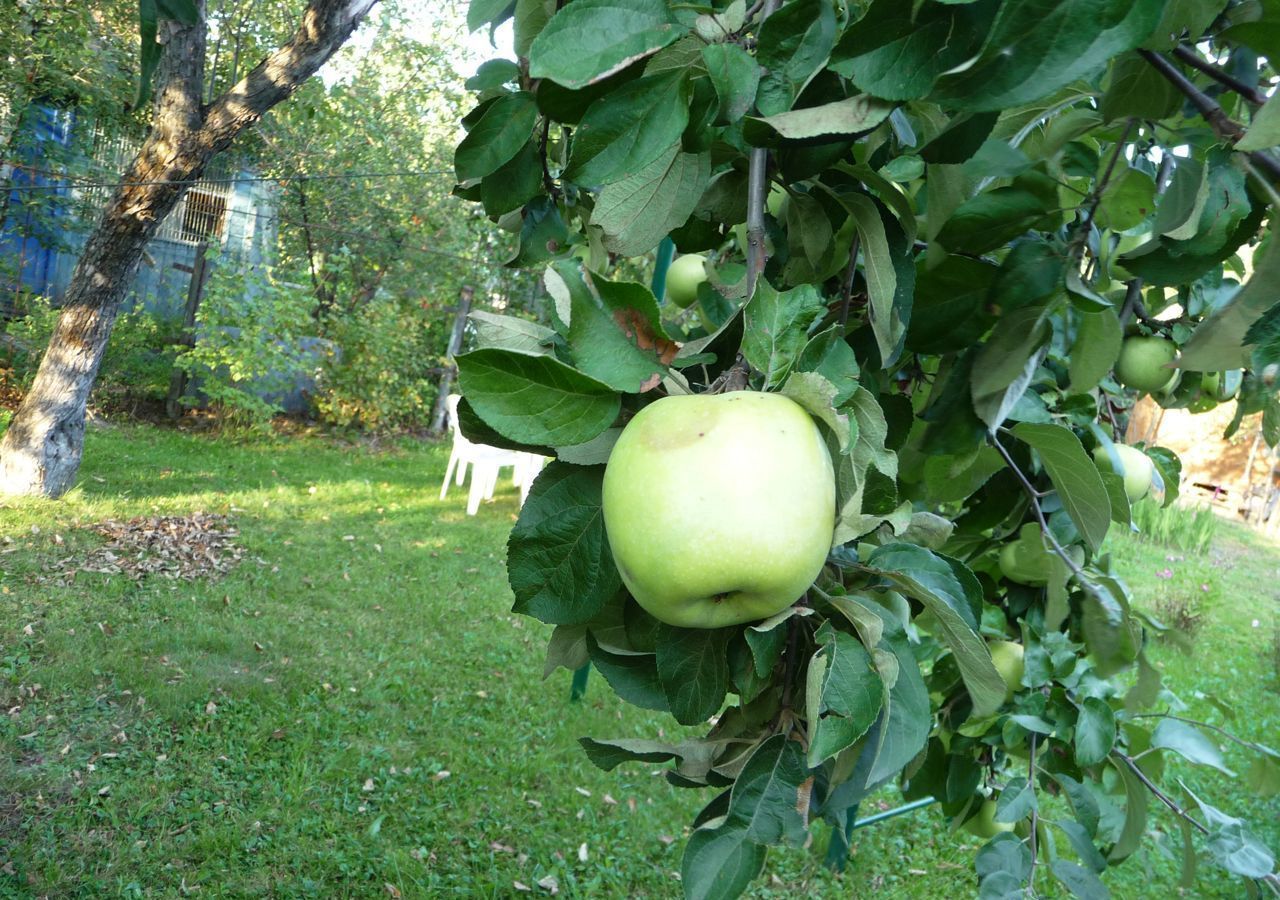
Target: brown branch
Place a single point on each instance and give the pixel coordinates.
(1212, 113)
(1035, 816)
(757, 187)
(1196, 61)
(1095, 201)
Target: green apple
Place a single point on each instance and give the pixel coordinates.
(983, 823)
(1008, 659)
(683, 278)
(1135, 467)
(1211, 383)
(1143, 363)
(719, 508)
(1023, 563)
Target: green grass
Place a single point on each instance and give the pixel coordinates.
(286, 731)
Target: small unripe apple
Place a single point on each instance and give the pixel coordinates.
(719, 508)
(983, 823)
(1211, 383)
(1021, 564)
(1135, 467)
(683, 278)
(1143, 363)
(1008, 659)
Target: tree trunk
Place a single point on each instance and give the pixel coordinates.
(41, 451)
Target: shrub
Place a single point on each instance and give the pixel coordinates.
(383, 378)
(247, 353)
(135, 369)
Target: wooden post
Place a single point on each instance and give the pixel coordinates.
(195, 292)
(455, 344)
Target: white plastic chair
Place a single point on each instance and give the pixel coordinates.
(486, 464)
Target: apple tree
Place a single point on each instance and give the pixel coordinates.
(965, 237)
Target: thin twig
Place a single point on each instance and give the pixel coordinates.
(1161, 795)
(1035, 818)
(1196, 61)
(1035, 496)
(849, 276)
(1212, 113)
(1222, 731)
(1086, 220)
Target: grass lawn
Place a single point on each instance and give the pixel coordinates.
(354, 712)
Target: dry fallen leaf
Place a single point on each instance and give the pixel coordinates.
(521, 886)
(582, 852)
(550, 884)
(392, 890)
(368, 785)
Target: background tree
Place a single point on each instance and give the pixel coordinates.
(990, 227)
(41, 450)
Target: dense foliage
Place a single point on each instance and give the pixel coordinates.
(976, 211)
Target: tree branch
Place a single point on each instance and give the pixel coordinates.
(1196, 61)
(1212, 113)
(325, 26)
(757, 186)
(849, 275)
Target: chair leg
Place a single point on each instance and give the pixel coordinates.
(461, 474)
(479, 478)
(491, 482)
(448, 473)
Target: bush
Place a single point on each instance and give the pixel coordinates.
(384, 378)
(134, 370)
(247, 353)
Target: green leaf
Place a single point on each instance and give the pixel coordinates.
(510, 333)
(639, 211)
(627, 129)
(792, 45)
(719, 863)
(184, 11)
(840, 117)
(1263, 337)
(930, 579)
(887, 54)
(542, 234)
(771, 795)
(150, 51)
(1084, 806)
(1219, 341)
(501, 133)
(1074, 475)
(514, 183)
(904, 725)
(535, 399)
(634, 678)
(615, 333)
(1007, 363)
(882, 279)
(1188, 742)
(829, 355)
(1191, 17)
(1095, 732)
(777, 327)
(485, 12)
(1135, 814)
(1138, 90)
(818, 397)
(1035, 47)
(1017, 801)
(1003, 866)
(949, 313)
(1081, 882)
(610, 754)
(1169, 468)
(566, 649)
(1095, 349)
(1128, 200)
(991, 220)
(1232, 845)
(694, 670)
(558, 559)
(843, 694)
(531, 17)
(589, 40)
(735, 77)
(1183, 200)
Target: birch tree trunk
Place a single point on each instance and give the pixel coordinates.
(42, 449)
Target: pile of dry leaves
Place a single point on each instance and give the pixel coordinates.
(190, 547)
